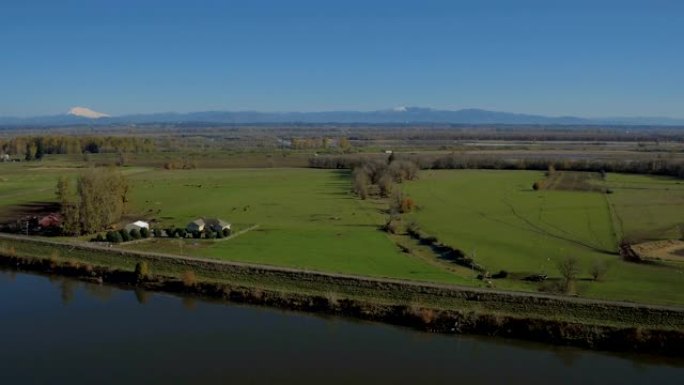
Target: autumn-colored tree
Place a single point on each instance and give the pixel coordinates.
(99, 202)
(189, 278)
(141, 270)
(344, 144)
(407, 205)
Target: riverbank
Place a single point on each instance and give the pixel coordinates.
(431, 307)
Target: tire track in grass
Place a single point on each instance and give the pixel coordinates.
(541, 230)
(597, 243)
(592, 231)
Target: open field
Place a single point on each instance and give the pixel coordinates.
(308, 218)
(496, 217)
(647, 208)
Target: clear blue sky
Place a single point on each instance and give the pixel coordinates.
(574, 57)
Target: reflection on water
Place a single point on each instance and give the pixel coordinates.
(57, 330)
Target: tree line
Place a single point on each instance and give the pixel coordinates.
(320, 143)
(35, 147)
(654, 166)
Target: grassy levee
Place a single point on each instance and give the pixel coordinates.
(378, 291)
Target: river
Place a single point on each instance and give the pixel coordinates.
(58, 331)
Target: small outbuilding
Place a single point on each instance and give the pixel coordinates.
(213, 224)
(137, 225)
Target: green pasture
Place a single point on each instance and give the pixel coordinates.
(308, 218)
(646, 207)
(499, 220)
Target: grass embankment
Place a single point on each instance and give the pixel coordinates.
(382, 292)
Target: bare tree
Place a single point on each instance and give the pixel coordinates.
(385, 183)
(569, 270)
(598, 270)
(360, 182)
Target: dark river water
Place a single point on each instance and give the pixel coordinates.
(60, 331)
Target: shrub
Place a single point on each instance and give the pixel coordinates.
(196, 234)
(210, 235)
(141, 270)
(500, 274)
(157, 233)
(134, 233)
(189, 278)
(598, 270)
(125, 236)
(413, 229)
(407, 205)
(219, 234)
(114, 237)
(391, 225)
(536, 186)
(100, 238)
(144, 232)
(226, 232)
(180, 233)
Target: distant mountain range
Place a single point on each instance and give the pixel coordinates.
(401, 115)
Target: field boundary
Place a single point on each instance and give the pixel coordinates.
(237, 234)
(392, 283)
(438, 308)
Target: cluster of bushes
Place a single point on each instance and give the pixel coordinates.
(375, 177)
(400, 203)
(177, 232)
(171, 232)
(655, 166)
(122, 236)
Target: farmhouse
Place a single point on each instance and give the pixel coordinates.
(213, 224)
(196, 225)
(217, 224)
(137, 225)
